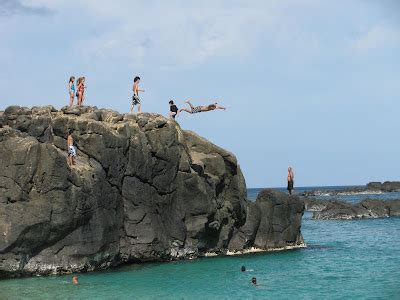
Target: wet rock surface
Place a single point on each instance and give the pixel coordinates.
(143, 189)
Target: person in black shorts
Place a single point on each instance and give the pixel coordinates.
(135, 97)
(290, 180)
(173, 110)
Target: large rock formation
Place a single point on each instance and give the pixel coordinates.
(340, 210)
(273, 221)
(142, 190)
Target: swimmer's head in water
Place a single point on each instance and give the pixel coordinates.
(75, 280)
(254, 280)
(243, 269)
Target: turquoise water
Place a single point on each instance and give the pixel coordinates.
(344, 259)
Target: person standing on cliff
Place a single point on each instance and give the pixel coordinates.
(290, 180)
(135, 97)
(81, 90)
(71, 149)
(71, 90)
(173, 110)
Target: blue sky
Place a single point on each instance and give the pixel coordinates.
(312, 84)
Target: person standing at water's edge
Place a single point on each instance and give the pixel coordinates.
(135, 97)
(71, 90)
(290, 180)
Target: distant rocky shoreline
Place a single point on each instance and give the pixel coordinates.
(370, 188)
(340, 210)
(334, 209)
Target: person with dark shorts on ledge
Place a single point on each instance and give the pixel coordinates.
(173, 110)
(290, 180)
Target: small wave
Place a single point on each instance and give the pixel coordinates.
(343, 193)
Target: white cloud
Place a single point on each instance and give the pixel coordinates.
(170, 34)
(186, 33)
(176, 33)
(376, 37)
(11, 7)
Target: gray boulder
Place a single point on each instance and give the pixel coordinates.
(387, 186)
(338, 210)
(273, 222)
(312, 204)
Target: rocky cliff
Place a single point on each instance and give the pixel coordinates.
(143, 189)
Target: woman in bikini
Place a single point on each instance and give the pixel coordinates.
(71, 90)
(81, 90)
(201, 108)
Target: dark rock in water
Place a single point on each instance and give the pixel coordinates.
(387, 186)
(273, 221)
(338, 210)
(143, 189)
(312, 204)
(372, 188)
(345, 191)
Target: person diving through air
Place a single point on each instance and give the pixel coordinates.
(201, 108)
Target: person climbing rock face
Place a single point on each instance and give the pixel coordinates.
(71, 149)
(201, 108)
(135, 97)
(173, 109)
(290, 179)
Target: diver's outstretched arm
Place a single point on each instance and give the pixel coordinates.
(219, 107)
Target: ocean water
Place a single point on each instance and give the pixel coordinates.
(357, 259)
